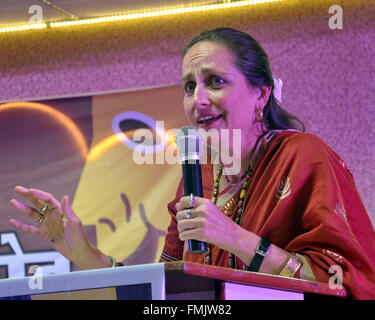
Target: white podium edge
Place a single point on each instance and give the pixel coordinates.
(152, 273)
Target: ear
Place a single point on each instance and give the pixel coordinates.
(263, 96)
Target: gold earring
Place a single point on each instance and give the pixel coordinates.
(259, 115)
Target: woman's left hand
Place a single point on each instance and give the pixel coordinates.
(206, 223)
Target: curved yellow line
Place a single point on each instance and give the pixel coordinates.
(102, 146)
(59, 116)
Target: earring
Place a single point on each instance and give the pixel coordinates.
(259, 115)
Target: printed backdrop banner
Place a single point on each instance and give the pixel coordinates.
(86, 148)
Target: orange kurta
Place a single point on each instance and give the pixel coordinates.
(303, 198)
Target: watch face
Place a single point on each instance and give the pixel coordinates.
(263, 246)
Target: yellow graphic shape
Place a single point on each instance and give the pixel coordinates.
(103, 146)
(110, 172)
(57, 115)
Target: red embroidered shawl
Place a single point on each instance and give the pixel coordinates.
(304, 199)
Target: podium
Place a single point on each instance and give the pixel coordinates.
(165, 281)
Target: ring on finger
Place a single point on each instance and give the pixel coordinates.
(191, 201)
(188, 213)
(41, 218)
(44, 209)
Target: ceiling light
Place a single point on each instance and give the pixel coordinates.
(139, 15)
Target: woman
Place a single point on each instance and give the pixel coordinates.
(293, 209)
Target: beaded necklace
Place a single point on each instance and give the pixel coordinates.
(237, 216)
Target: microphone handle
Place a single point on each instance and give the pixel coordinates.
(192, 175)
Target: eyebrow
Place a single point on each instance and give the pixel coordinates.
(204, 71)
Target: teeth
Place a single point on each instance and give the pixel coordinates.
(208, 118)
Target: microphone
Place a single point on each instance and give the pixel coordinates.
(190, 145)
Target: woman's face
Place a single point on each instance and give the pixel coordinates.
(216, 94)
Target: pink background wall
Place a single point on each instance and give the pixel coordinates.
(328, 74)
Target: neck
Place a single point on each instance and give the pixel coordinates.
(235, 170)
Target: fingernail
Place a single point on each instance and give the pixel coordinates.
(13, 222)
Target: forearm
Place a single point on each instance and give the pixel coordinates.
(244, 247)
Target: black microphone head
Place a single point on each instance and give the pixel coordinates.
(189, 143)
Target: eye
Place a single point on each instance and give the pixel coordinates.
(189, 87)
(216, 82)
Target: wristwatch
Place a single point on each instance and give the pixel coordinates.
(260, 253)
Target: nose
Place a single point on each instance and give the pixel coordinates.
(201, 97)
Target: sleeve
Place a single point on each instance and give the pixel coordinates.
(173, 246)
(331, 231)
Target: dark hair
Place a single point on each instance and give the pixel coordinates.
(253, 62)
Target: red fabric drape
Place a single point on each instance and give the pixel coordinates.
(320, 215)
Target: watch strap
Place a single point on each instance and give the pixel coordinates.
(260, 253)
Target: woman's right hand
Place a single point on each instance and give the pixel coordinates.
(59, 225)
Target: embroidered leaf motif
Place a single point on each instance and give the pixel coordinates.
(283, 189)
(340, 211)
(335, 256)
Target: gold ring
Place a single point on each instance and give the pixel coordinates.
(41, 218)
(44, 209)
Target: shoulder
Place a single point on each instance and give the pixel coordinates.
(305, 148)
(302, 139)
(307, 143)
